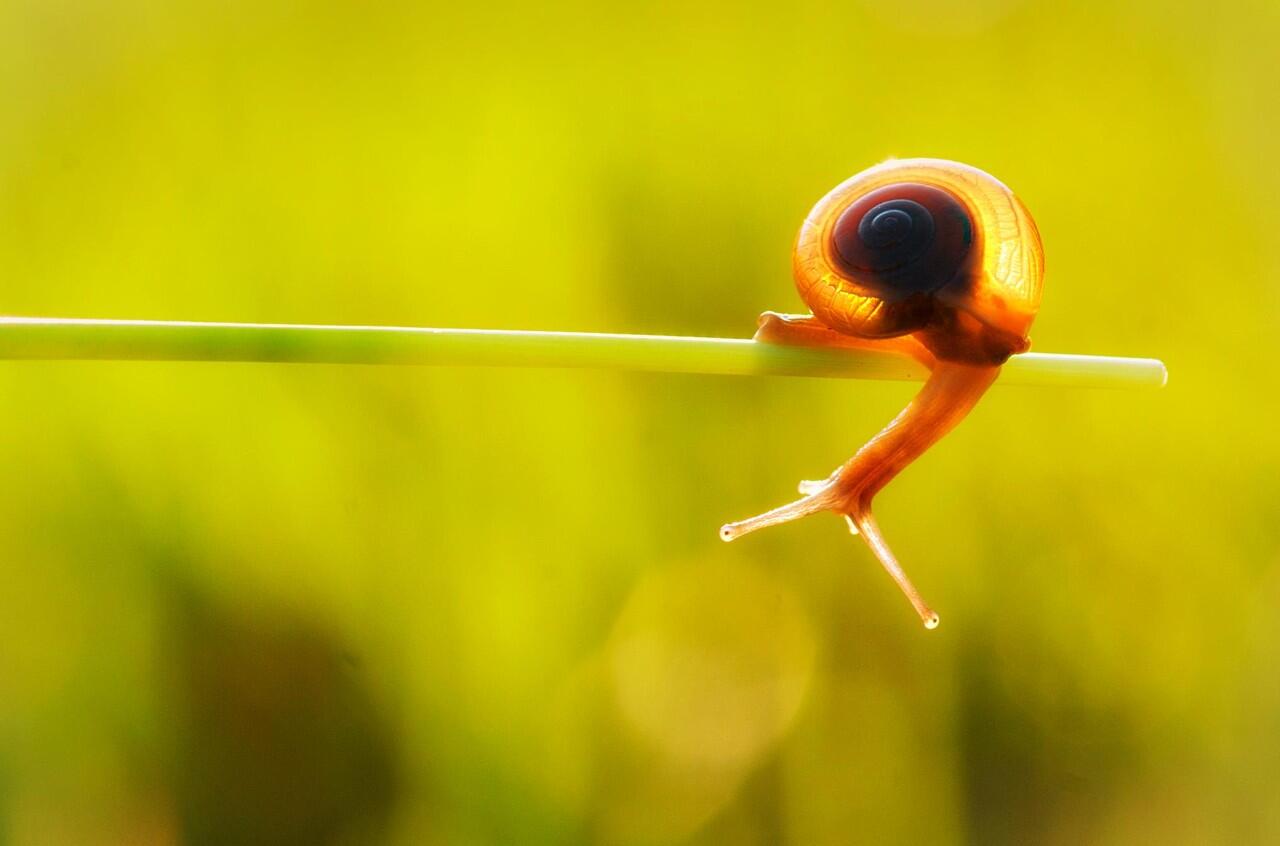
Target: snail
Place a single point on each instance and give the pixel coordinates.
(931, 258)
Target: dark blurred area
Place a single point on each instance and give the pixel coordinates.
(288, 604)
(277, 737)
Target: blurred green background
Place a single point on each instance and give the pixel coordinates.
(291, 604)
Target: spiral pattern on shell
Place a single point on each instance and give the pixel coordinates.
(908, 244)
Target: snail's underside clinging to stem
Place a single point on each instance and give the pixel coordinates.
(926, 257)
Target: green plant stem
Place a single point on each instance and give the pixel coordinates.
(77, 339)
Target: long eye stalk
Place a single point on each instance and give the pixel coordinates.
(950, 393)
(929, 257)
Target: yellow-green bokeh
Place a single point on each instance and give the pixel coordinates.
(291, 604)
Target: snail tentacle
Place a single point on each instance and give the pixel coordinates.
(928, 258)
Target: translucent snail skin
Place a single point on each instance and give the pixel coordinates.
(927, 257)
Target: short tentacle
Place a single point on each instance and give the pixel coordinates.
(948, 395)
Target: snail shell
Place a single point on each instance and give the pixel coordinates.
(924, 246)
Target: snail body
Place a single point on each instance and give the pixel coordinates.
(927, 257)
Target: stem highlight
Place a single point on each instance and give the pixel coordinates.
(74, 339)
